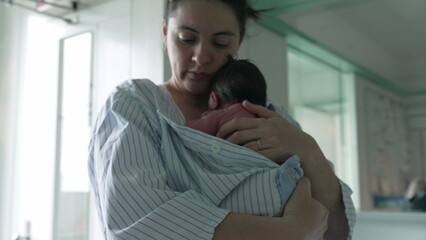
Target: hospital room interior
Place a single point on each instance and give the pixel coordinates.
(351, 72)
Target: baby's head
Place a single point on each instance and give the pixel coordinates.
(236, 81)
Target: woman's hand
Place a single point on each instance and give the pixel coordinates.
(271, 135)
(306, 214)
(278, 140)
(304, 219)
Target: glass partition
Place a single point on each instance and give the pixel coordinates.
(322, 100)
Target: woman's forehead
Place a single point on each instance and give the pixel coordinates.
(205, 16)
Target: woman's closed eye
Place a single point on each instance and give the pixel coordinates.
(222, 43)
(186, 38)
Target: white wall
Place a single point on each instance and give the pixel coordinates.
(148, 57)
(112, 53)
(128, 46)
(269, 52)
(12, 22)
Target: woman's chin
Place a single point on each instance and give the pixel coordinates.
(198, 88)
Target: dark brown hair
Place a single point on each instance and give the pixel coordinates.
(241, 8)
(239, 80)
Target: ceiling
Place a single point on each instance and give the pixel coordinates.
(395, 29)
(398, 26)
(55, 8)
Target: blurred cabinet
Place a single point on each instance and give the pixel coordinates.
(416, 121)
(391, 145)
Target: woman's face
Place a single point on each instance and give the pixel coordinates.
(199, 36)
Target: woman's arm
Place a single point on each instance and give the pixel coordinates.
(279, 140)
(326, 189)
(304, 218)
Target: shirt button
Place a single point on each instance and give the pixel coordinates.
(215, 147)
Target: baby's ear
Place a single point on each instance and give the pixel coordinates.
(214, 101)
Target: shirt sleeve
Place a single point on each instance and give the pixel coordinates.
(130, 182)
(349, 207)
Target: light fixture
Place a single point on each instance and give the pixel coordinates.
(62, 9)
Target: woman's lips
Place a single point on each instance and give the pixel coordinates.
(198, 75)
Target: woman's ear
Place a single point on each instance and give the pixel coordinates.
(164, 34)
(214, 101)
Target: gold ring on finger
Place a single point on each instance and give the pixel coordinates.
(258, 144)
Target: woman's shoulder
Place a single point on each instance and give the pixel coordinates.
(137, 89)
(132, 103)
(146, 96)
(139, 93)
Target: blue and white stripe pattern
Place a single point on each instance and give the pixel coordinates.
(154, 178)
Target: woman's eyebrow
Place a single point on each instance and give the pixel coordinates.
(227, 33)
(187, 29)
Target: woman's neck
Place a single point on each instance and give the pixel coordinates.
(190, 105)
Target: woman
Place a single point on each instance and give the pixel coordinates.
(154, 178)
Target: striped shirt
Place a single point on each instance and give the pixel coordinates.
(155, 178)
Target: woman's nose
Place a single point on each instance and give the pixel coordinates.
(202, 55)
